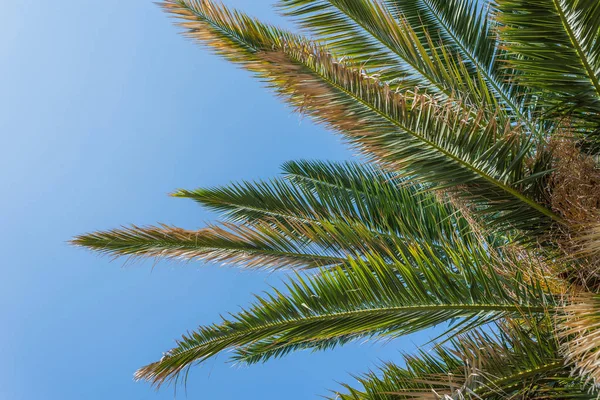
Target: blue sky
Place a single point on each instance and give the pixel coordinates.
(104, 110)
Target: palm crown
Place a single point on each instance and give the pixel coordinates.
(478, 208)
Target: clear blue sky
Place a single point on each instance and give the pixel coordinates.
(104, 110)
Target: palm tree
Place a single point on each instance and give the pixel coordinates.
(478, 209)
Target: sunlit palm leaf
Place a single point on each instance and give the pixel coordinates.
(339, 305)
(256, 246)
(338, 191)
(324, 214)
(390, 48)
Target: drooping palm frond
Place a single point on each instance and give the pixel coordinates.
(410, 133)
(512, 362)
(364, 300)
(556, 46)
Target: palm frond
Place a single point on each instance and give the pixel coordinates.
(555, 44)
(409, 133)
(398, 53)
(251, 201)
(511, 362)
(345, 191)
(323, 214)
(464, 27)
(364, 300)
(255, 246)
(350, 39)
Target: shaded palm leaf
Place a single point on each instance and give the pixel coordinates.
(511, 363)
(556, 46)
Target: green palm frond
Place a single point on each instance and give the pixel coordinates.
(320, 216)
(556, 46)
(345, 191)
(400, 54)
(261, 244)
(510, 362)
(409, 133)
(364, 300)
(464, 27)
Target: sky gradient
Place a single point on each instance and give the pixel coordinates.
(104, 110)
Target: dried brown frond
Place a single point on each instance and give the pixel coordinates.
(579, 332)
(589, 242)
(575, 182)
(574, 193)
(530, 264)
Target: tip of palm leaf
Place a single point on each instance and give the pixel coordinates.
(184, 193)
(160, 373)
(179, 193)
(81, 240)
(149, 374)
